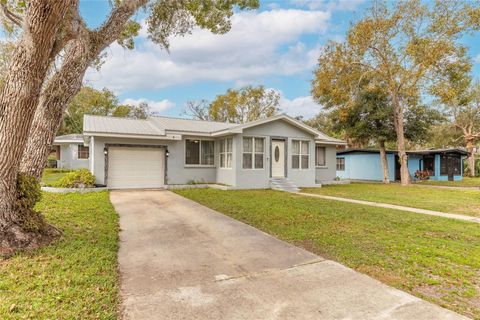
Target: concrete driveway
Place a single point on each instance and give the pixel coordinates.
(181, 260)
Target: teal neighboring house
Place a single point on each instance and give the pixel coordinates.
(365, 164)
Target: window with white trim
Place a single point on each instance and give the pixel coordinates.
(253, 152)
(83, 152)
(199, 152)
(320, 156)
(300, 154)
(340, 164)
(226, 152)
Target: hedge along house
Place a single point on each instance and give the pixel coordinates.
(70, 152)
(365, 164)
(159, 152)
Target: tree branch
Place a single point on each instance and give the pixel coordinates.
(12, 17)
(109, 31)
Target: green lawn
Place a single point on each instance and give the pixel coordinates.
(445, 200)
(434, 258)
(52, 176)
(76, 278)
(466, 182)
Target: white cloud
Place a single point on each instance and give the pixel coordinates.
(477, 58)
(300, 106)
(156, 107)
(340, 5)
(259, 44)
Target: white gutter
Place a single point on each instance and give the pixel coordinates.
(133, 136)
(67, 142)
(336, 143)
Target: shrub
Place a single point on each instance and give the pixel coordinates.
(422, 175)
(52, 161)
(77, 179)
(28, 191)
(28, 194)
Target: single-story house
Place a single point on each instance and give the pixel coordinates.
(162, 151)
(365, 164)
(70, 152)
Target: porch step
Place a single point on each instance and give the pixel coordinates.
(283, 184)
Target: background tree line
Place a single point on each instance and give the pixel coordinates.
(101, 103)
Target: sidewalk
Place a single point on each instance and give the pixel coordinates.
(397, 207)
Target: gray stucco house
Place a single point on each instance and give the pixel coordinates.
(70, 152)
(161, 152)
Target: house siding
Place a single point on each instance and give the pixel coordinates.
(69, 157)
(177, 172)
(260, 178)
(329, 171)
(414, 163)
(366, 166)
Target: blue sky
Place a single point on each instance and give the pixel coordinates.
(275, 46)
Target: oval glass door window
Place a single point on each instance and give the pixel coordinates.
(277, 154)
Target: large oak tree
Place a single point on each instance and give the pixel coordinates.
(33, 100)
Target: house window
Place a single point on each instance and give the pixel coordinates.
(199, 152)
(300, 154)
(253, 153)
(429, 164)
(320, 153)
(340, 164)
(452, 162)
(82, 152)
(226, 155)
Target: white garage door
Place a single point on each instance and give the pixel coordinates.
(135, 168)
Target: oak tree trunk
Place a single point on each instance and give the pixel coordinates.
(400, 132)
(383, 157)
(66, 83)
(58, 92)
(471, 157)
(18, 101)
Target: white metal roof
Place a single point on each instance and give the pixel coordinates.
(101, 124)
(69, 138)
(159, 127)
(187, 125)
(320, 137)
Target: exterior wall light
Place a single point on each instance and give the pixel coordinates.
(105, 151)
(167, 153)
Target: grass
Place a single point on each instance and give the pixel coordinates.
(434, 258)
(75, 278)
(51, 176)
(466, 182)
(465, 202)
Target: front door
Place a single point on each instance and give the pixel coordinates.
(278, 158)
